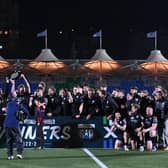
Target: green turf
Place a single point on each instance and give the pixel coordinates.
(132, 159)
(76, 158)
(49, 158)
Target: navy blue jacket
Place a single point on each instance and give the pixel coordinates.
(11, 109)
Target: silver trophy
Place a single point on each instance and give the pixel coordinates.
(15, 75)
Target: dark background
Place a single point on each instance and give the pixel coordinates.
(124, 26)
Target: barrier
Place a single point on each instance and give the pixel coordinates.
(67, 132)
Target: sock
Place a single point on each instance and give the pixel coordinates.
(154, 140)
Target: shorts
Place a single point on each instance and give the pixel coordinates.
(147, 137)
(132, 135)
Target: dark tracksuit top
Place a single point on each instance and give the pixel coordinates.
(11, 109)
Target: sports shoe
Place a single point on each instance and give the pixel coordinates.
(166, 148)
(126, 148)
(19, 156)
(141, 149)
(154, 149)
(39, 147)
(10, 157)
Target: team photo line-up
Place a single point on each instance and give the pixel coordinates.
(139, 120)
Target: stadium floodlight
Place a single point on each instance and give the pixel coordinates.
(1, 46)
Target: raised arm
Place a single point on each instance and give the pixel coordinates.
(13, 91)
(27, 83)
(6, 93)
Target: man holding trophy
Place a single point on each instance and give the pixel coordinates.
(16, 112)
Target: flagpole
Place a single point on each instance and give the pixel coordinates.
(100, 39)
(155, 40)
(46, 40)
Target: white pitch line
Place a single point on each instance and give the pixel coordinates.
(99, 162)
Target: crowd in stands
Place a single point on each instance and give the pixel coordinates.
(138, 119)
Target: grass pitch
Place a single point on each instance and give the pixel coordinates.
(77, 158)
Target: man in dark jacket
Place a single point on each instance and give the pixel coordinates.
(109, 105)
(12, 128)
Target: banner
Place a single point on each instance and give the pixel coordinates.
(68, 132)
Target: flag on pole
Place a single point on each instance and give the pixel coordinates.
(97, 34)
(42, 34)
(151, 34)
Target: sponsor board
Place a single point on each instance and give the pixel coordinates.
(67, 132)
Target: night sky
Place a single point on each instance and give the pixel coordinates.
(124, 25)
